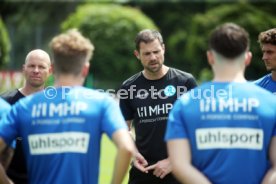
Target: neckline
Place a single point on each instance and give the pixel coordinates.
(155, 80)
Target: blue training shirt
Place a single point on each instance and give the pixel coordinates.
(267, 82)
(229, 127)
(61, 130)
(4, 107)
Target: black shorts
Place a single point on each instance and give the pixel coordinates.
(138, 177)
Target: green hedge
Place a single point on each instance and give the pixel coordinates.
(4, 45)
(112, 29)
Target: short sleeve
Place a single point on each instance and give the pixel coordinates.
(125, 105)
(191, 83)
(5, 107)
(112, 117)
(8, 125)
(175, 127)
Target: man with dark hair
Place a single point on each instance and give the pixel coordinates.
(62, 126)
(151, 94)
(227, 135)
(36, 70)
(267, 40)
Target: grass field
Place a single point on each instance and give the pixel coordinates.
(108, 153)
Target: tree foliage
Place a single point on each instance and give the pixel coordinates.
(32, 25)
(174, 20)
(112, 29)
(4, 44)
(185, 26)
(248, 16)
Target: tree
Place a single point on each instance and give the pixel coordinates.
(4, 45)
(32, 25)
(246, 15)
(112, 29)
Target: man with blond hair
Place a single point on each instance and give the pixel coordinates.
(62, 126)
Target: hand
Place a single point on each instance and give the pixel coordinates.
(140, 162)
(161, 168)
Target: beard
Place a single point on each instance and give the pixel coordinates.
(154, 69)
(36, 84)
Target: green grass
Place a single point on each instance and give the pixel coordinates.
(108, 153)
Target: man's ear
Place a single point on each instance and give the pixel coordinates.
(210, 57)
(51, 69)
(136, 53)
(248, 57)
(85, 69)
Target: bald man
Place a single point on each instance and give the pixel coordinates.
(36, 70)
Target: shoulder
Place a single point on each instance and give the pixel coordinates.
(257, 90)
(196, 93)
(81, 93)
(264, 97)
(11, 96)
(93, 95)
(180, 73)
(99, 98)
(4, 104)
(263, 79)
(186, 77)
(5, 107)
(132, 79)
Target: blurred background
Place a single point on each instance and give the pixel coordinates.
(113, 25)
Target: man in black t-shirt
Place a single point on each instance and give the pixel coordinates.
(151, 94)
(36, 70)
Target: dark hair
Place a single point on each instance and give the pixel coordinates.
(268, 37)
(229, 40)
(147, 36)
(71, 50)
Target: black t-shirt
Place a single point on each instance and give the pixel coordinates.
(17, 169)
(148, 103)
